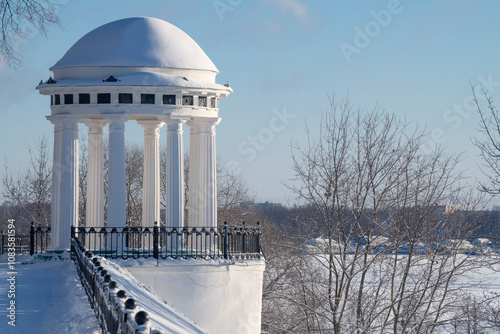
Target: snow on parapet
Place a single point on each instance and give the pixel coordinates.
(163, 315)
(107, 285)
(139, 79)
(136, 42)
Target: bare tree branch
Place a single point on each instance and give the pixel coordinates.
(16, 17)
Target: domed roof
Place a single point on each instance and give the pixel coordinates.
(137, 42)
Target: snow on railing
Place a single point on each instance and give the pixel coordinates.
(227, 242)
(115, 313)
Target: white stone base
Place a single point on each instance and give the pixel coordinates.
(221, 298)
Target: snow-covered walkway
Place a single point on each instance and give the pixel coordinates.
(49, 298)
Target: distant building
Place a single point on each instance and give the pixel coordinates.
(442, 208)
(253, 205)
(267, 204)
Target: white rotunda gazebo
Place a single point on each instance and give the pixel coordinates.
(148, 71)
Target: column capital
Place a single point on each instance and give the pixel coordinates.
(151, 126)
(174, 118)
(66, 120)
(115, 120)
(56, 121)
(203, 124)
(174, 122)
(70, 125)
(95, 125)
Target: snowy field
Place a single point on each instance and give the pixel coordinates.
(377, 297)
(48, 298)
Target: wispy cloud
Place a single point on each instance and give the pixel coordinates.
(298, 9)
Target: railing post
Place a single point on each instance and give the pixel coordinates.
(155, 241)
(32, 239)
(1, 243)
(225, 241)
(244, 239)
(72, 232)
(258, 237)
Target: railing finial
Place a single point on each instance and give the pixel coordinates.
(141, 317)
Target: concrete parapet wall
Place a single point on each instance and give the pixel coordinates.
(222, 298)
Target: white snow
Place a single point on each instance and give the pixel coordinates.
(141, 79)
(48, 297)
(137, 41)
(162, 315)
(222, 296)
(151, 262)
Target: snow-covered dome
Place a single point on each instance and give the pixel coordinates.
(133, 62)
(135, 42)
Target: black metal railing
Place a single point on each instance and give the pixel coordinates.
(227, 242)
(116, 313)
(35, 242)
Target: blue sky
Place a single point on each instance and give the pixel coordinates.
(283, 58)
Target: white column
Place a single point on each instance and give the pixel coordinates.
(151, 174)
(117, 195)
(193, 211)
(174, 215)
(55, 209)
(69, 191)
(202, 205)
(95, 177)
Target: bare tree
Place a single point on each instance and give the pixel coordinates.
(30, 189)
(490, 308)
(82, 180)
(385, 254)
(231, 190)
(15, 16)
(286, 302)
(134, 162)
(489, 145)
